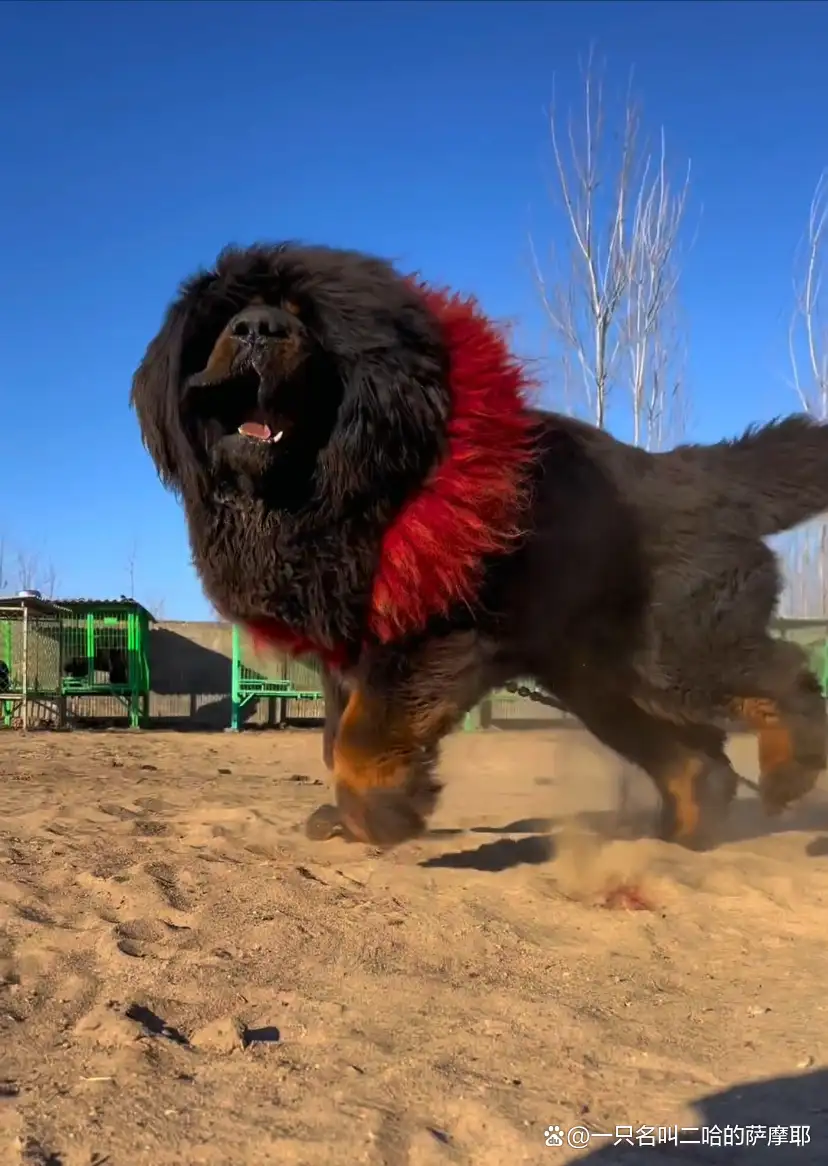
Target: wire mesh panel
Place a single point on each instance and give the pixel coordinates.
(96, 652)
(105, 654)
(269, 677)
(30, 663)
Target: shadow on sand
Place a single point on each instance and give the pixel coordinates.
(793, 1107)
(536, 843)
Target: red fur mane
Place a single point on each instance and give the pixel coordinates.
(470, 506)
(432, 554)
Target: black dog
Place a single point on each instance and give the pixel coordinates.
(364, 477)
(113, 661)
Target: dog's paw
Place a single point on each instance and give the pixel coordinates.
(700, 822)
(325, 822)
(380, 817)
(786, 784)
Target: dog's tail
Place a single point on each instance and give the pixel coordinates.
(776, 475)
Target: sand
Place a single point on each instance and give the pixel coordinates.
(186, 979)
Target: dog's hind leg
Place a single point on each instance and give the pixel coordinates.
(786, 708)
(400, 707)
(687, 762)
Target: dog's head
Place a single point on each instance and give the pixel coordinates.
(290, 372)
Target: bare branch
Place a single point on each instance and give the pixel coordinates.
(808, 334)
(156, 606)
(48, 581)
(610, 311)
(806, 549)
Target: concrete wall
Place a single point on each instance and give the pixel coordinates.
(190, 668)
(190, 673)
(190, 665)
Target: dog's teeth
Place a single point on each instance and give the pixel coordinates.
(277, 437)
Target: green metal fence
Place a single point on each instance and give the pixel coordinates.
(812, 634)
(105, 653)
(278, 678)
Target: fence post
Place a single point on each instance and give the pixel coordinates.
(471, 723)
(235, 676)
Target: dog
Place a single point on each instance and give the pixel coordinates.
(367, 476)
(113, 661)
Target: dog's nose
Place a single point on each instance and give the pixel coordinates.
(260, 322)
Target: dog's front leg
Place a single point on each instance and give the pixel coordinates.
(384, 758)
(336, 700)
(399, 707)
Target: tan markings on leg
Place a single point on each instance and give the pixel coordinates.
(791, 752)
(384, 787)
(775, 741)
(681, 784)
(369, 755)
(757, 712)
(776, 748)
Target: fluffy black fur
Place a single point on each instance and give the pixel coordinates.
(641, 596)
(292, 532)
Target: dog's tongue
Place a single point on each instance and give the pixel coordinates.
(255, 429)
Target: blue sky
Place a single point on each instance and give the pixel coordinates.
(137, 139)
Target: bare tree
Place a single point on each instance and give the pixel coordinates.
(612, 304)
(28, 569)
(806, 549)
(130, 569)
(157, 607)
(32, 575)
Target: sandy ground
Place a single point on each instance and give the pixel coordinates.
(185, 978)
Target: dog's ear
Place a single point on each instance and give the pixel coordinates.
(155, 397)
(392, 382)
(186, 337)
(388, 431)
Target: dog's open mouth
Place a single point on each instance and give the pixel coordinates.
(259, 430)
(233, 402)
(252, 419)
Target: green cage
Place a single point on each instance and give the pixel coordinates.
(278, 678)
(30, 661)
(105, 653)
